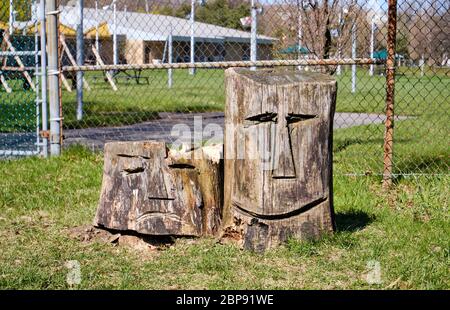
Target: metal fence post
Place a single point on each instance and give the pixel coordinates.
(192, 21)
(53, 78)
(115, 44)
(11, 17)
(390, 92)
(339, 43)
(170, 59)
(80, 60)
(253, 44)
(354, 57)
(96, 27)
(43, 72)
(372, 43)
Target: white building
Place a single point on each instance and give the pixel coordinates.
(143, 37)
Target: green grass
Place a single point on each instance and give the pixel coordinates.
(406, 230)
(203, 92)
(420, 147)
(134, 103)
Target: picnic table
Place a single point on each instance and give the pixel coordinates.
(127, 75)
(136, 75)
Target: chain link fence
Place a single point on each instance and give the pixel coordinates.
(20, 97)
(132, 70)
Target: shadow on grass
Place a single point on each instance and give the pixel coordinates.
(353, 221)
(428, 164)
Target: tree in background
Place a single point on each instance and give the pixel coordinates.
(225, 13)
(314, 23)
(428, 28)
(4, 10)
(22, 8)
(422, 25)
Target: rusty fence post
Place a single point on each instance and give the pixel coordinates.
(390, 94)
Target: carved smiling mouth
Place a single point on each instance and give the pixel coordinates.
(280, 216)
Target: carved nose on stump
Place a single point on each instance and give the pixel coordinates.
(283, 166)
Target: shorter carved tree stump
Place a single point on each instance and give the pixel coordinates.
(152, 190)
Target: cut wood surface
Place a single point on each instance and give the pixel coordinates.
(155, 191)
(278, 135)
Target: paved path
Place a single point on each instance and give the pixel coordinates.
(18, 144)
(160, 129)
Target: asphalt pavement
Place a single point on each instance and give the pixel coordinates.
(162, 129)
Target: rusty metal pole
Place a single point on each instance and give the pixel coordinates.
(390, 92)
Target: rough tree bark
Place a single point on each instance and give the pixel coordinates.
(278, 156)
(152, 190)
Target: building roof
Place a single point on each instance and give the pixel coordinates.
(65, 30)
(3, 26)
(28, 28)
(102, 29)
(152, 27)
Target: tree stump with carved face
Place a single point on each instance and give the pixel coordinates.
(278, 155)
(152, 190)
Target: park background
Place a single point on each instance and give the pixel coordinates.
(404, 228)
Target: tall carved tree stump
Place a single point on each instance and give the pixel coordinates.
(278, 155)
(152, 190)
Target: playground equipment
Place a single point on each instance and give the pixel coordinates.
(107, 73)
(66, 50)
(22, 59)
(4, 27)
(8, 50)
(63, 31)
(100, 31)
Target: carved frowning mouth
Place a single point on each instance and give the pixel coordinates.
(161, 198)
(181, 166)
(288, 177)
(133, 156)
(149, 215)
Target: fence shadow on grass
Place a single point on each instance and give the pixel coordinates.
(341, 144)
(428, 164)
(352, 221)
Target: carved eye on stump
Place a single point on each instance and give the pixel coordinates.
(153, 191)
